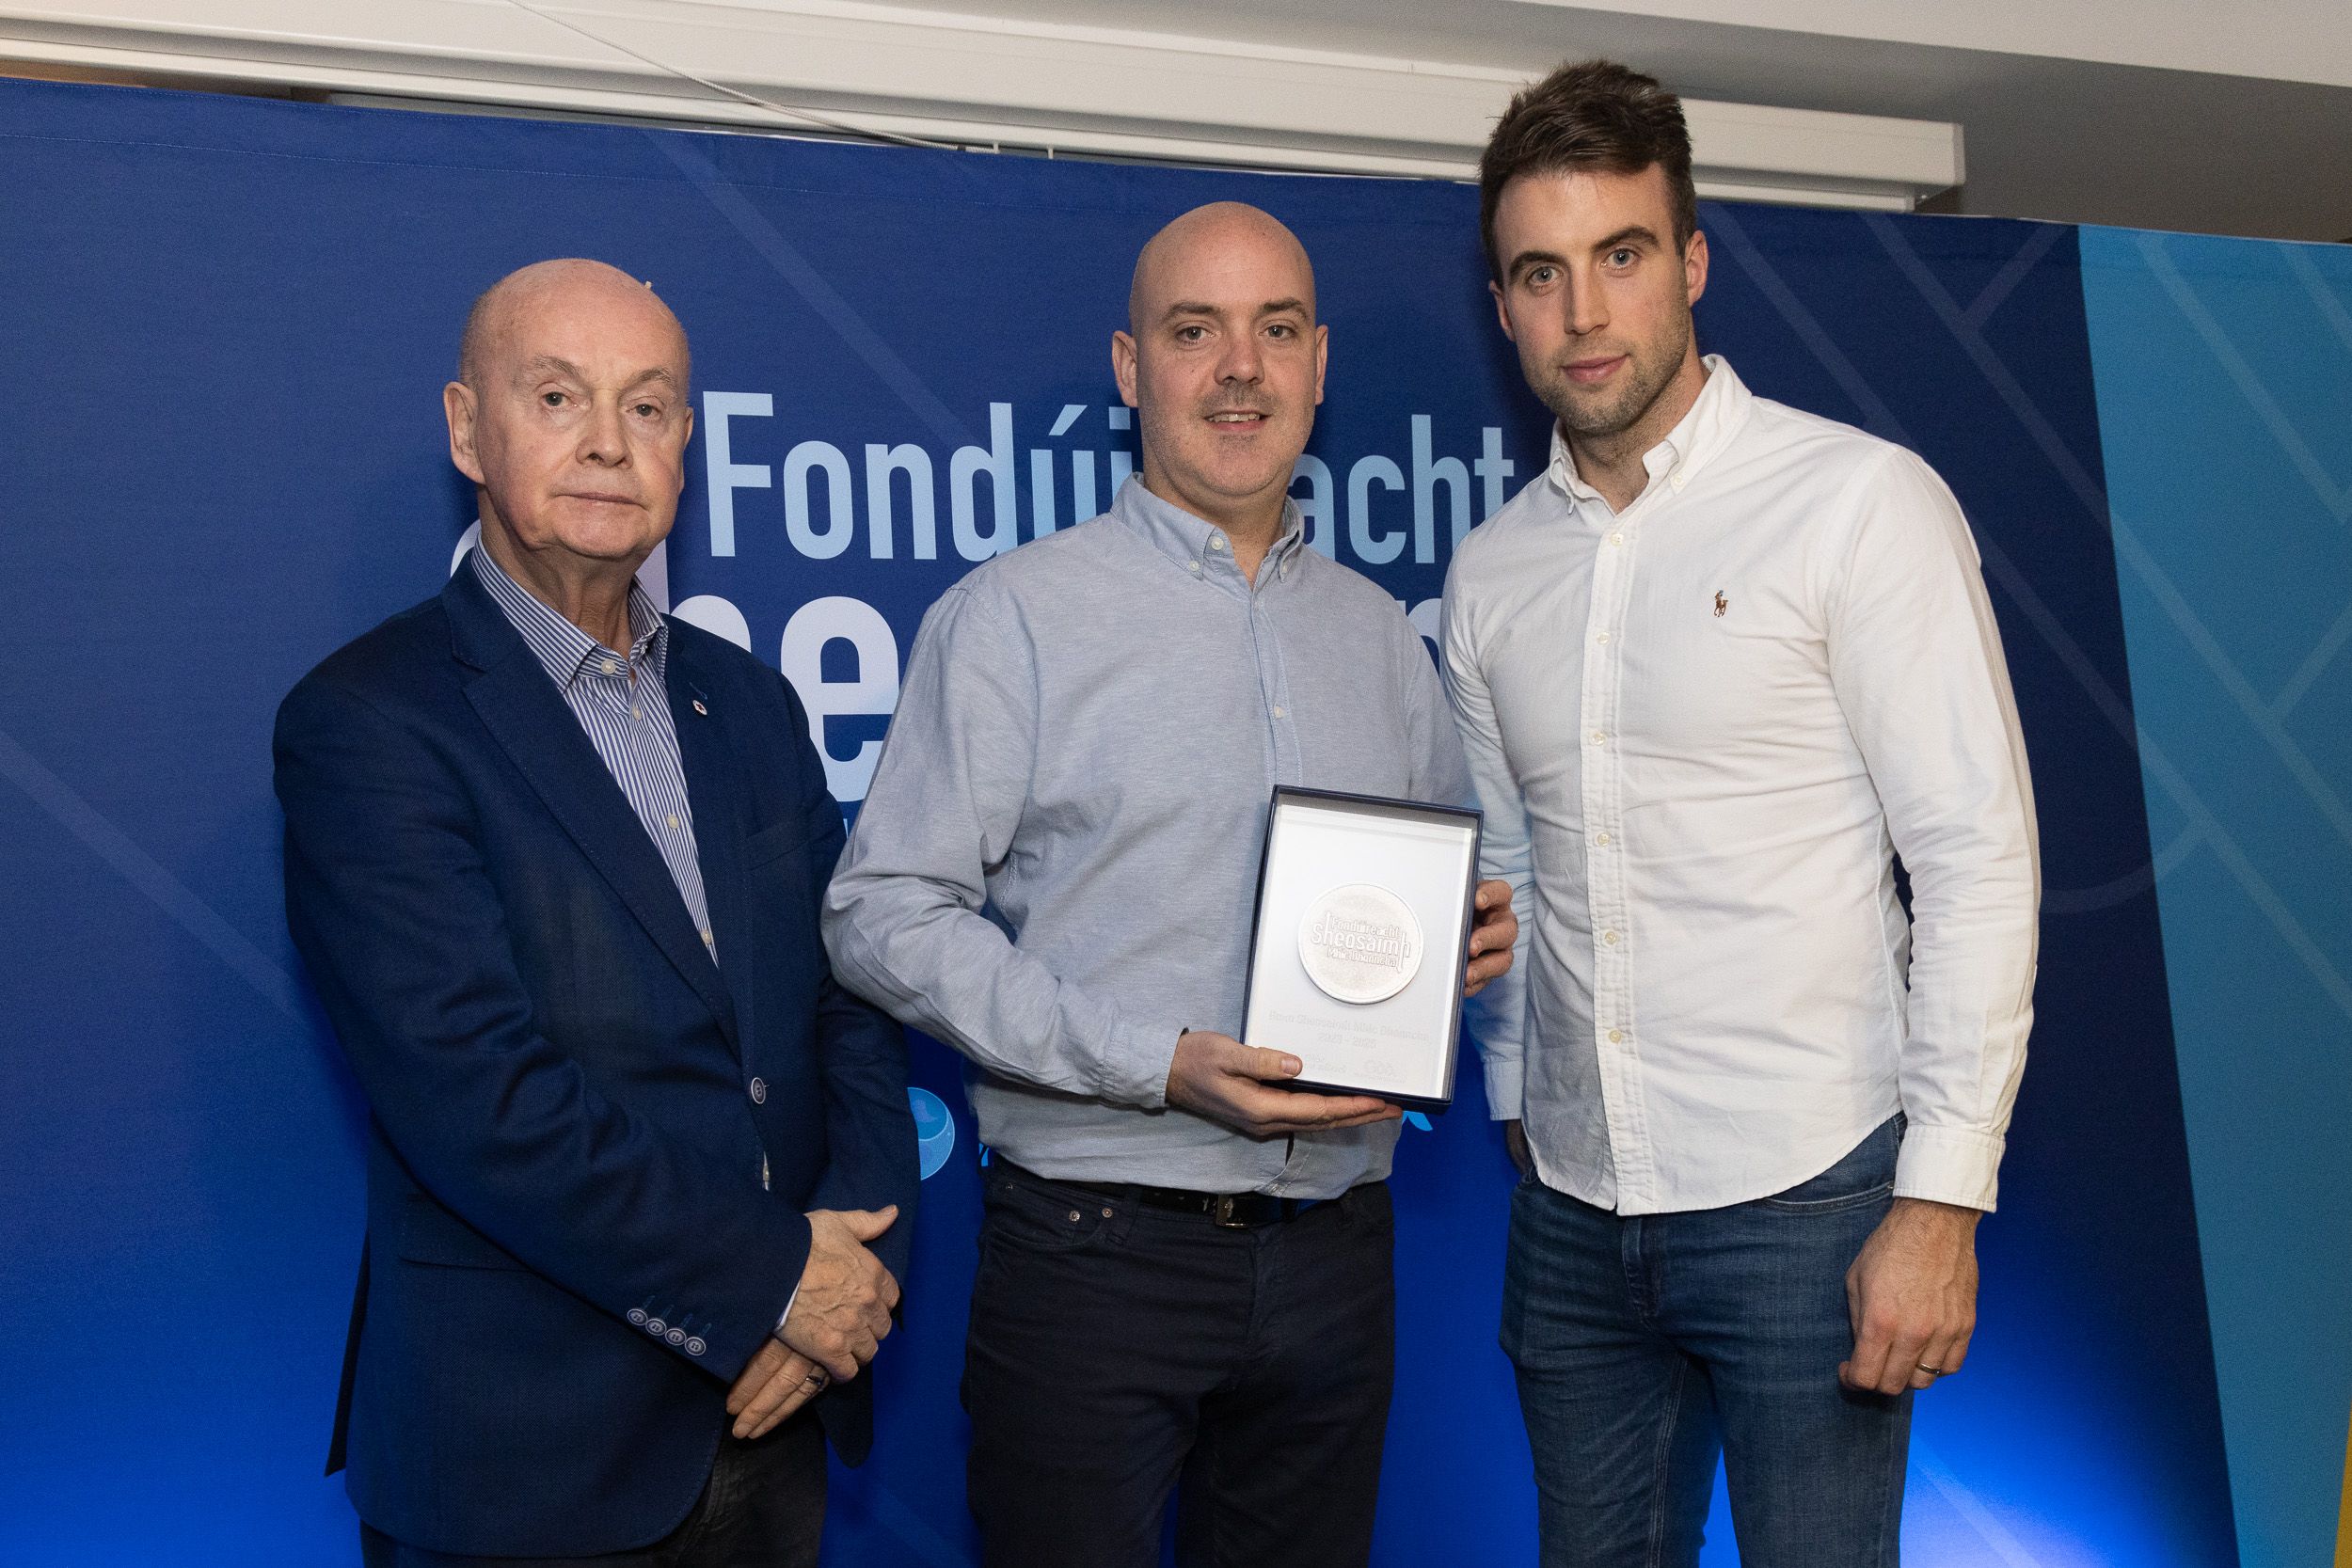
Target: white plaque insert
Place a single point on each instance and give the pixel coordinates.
(1357, 952)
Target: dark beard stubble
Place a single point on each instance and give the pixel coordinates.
(1622, 412)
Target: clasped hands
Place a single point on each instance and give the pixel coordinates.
(839, 1317)
(1217, 1076)
(842, 1311)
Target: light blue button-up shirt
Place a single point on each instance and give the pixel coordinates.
(1056, 867)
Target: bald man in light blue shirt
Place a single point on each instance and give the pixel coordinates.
(1185, 1267)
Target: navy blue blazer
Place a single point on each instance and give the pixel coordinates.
(570, 1255)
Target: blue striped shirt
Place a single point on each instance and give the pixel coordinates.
(623, 705)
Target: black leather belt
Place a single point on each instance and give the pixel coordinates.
(1232, 1211)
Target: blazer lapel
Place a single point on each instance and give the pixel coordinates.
(528, 717)
(714, 788)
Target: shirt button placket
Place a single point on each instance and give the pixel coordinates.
(1605, 892)
(1282, 729)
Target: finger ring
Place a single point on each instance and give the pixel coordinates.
(818, 1378)
(1931, 1371)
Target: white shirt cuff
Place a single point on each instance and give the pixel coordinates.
(787, 1311)
(1950, 1164)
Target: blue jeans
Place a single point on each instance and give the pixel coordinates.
(1647, 1345)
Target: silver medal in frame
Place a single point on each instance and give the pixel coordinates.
(1359, 944)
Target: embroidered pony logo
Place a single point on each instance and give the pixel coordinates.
(1721, 603)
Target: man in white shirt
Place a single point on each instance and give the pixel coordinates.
(1715, 668)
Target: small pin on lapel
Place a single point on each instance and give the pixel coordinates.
(699, 708)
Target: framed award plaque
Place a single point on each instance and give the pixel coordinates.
(1359, 941)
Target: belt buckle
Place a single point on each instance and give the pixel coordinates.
(1222, 1212)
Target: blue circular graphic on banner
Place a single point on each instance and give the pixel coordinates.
(934, 1129)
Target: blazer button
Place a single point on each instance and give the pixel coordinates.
(655, 1325)
(695, 1345)
(676, 1336)
(759, 1092)
(637, 1316)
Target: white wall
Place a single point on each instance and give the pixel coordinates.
(2288, 40)
(1129, 89)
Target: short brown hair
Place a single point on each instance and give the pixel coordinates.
(1594, 115)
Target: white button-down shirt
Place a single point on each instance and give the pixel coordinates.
(1701, 729)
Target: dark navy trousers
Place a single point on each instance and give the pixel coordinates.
(764, 1507)
(1120, 1354)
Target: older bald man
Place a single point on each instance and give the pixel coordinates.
(1185, 1268)
(639, 1173)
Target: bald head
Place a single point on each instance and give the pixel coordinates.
(570, 415)
(1223, 362)
(1180, 261)
(572, 286)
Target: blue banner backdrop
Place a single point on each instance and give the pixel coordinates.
(228, 324)
(2225, 406)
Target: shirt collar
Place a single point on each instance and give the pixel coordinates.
(1714, 419)
(561, 648)
(1193, 543)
